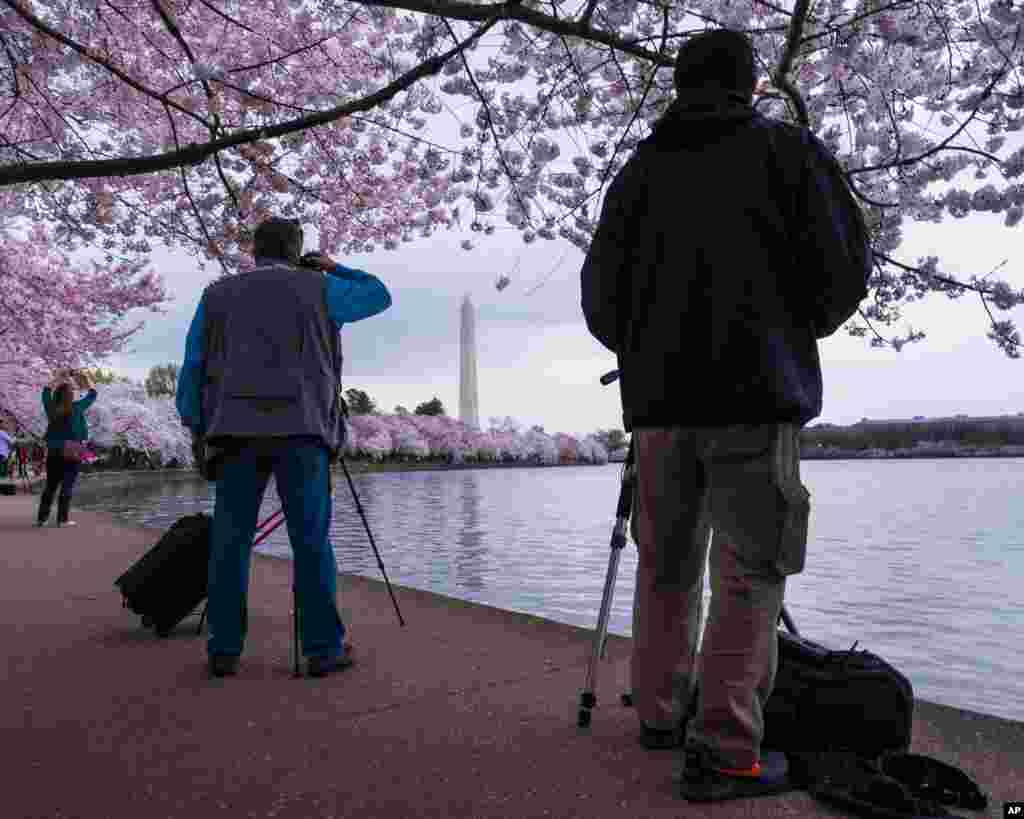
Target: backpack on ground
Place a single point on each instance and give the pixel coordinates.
(827, 700)
(169, 581)
(844, 720)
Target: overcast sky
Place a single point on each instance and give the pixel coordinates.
(538, 363)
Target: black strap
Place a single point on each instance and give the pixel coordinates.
(929, 778)
(894, 781)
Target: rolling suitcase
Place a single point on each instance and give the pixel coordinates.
(168, 582)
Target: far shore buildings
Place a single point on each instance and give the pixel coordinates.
(923, 423)
(1018, 417)
(908, 437)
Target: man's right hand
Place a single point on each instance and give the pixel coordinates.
(320, 261)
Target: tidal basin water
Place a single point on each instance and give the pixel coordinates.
(921, 561)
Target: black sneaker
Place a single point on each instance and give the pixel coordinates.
(224, 665)
(321, 666)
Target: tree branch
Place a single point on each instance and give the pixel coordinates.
(512, 10)
(953, 283)
(781, 77)
(197, 153)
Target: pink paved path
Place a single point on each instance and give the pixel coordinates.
(468, 711)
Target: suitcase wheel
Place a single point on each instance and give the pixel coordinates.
(163, 632)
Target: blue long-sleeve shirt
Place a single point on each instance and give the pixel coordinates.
(352, 295)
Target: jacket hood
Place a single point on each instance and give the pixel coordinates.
(697, 116)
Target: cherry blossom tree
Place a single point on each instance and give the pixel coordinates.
(125, 415)
(372, 434)
(383, 120)
(441, 437)
(56, 313)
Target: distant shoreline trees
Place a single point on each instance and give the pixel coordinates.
(961, 431)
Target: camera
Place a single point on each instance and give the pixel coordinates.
(310, 260)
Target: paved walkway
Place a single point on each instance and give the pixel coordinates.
(468, 711)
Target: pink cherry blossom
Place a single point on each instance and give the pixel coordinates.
(56, 313)
(186, 123)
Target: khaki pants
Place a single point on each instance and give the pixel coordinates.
(744, 483)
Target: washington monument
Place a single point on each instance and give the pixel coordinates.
(469, 412)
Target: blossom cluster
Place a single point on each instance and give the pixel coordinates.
(124, 415)
(434, 436)
(57, 313)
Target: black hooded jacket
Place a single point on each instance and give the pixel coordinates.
(727, 245)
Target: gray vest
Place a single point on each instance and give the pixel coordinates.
(273, 357)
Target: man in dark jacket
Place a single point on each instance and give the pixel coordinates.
(261, 382)
(727, 246)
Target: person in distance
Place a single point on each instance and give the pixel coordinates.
(66, 425)
(727, 245)
(261, 387)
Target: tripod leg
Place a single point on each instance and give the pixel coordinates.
(626, 698)
(369, 534)
(295, 632)
(588, 699)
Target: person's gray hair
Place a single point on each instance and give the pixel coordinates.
(278, 238)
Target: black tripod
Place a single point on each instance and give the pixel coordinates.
(297, 618)
(587, 697)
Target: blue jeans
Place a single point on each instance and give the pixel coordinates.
(301, 472)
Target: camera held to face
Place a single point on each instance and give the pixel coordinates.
(310, 260)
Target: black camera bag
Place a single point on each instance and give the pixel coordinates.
(827, 700)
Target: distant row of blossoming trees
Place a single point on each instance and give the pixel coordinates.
(127, 418)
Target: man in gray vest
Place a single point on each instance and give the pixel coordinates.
(261, 383)
(728, 245)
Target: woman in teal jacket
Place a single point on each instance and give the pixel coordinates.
(66, 423)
